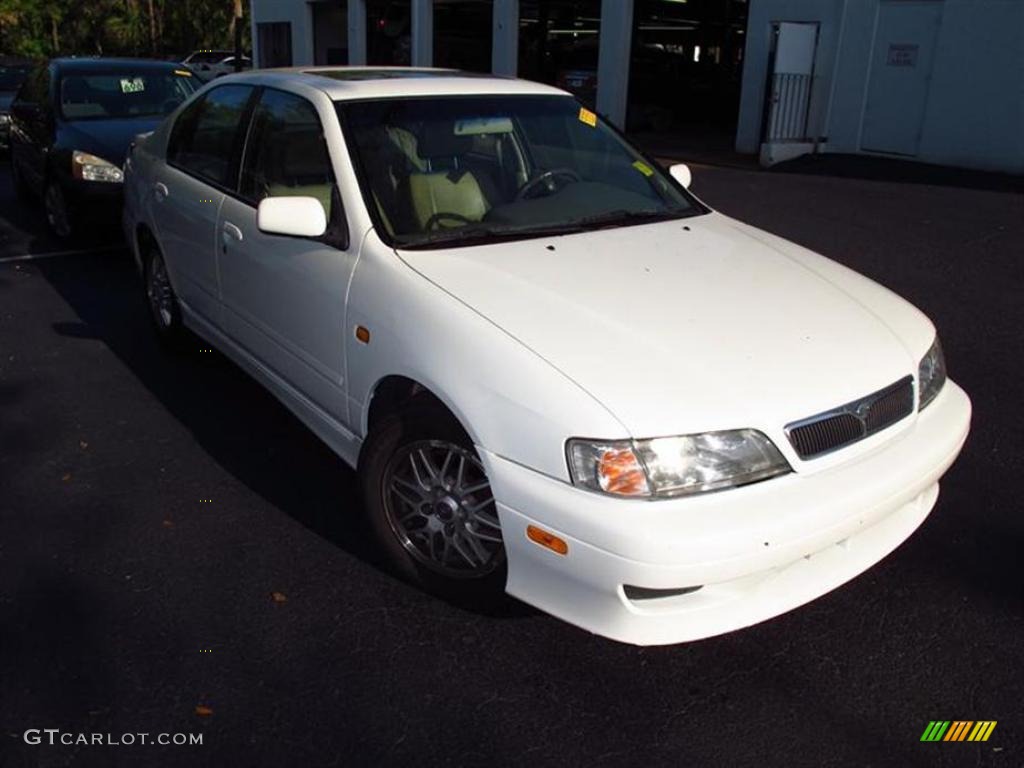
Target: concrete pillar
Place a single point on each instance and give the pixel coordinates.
(613, 59)
(356, 32)
(505, 37)
(422, 33)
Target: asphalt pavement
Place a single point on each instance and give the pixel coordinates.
(179, 555)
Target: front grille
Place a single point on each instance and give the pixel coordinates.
(854, 421)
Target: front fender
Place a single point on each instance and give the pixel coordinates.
(511, 401)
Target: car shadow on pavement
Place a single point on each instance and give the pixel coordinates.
(233, 418)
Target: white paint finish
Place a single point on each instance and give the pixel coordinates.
(616, 38)
(505, 37)
(185, 221)
(794, 52)
(422, 32)
(756, 56)
(974, 114)
(280, 296)
(900, 76)
(639, 331)
(356, 32)
(297, 13)
(295, 216)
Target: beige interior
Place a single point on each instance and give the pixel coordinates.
(434, 193)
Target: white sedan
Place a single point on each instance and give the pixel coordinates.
(558, 372)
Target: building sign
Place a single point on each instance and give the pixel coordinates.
(901, 55)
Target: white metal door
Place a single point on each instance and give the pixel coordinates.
(901, 65)
(792, 78)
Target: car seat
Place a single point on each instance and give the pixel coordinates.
(446, 187)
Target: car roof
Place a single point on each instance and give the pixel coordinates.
(98, 64)
(352, 83)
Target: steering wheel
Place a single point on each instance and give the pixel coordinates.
(434, 222)
(547, 178)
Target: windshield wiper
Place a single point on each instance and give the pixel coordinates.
(623, 216)
(482, 234)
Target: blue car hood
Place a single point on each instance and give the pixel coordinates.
(108, 139)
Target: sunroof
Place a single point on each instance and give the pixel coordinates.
(385, 74)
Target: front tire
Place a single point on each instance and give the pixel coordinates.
(429, 504)
(163, 302)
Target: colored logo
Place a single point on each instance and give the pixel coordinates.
(958, 730)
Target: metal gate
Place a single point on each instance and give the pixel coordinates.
(788, 101)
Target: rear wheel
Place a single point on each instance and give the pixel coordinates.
(162, 301)
(429, 503)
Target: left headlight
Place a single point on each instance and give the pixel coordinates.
(91, 168)
(931, 374)
(666, 467)
(4, 118)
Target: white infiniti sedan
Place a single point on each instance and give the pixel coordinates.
(558, 373)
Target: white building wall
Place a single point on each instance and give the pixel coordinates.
(299, 14)
(975, 110)
(975, 113)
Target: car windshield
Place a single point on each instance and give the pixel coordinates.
(442, 171)
(108, 95)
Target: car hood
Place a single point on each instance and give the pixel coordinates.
(108, 139)
(689, 325)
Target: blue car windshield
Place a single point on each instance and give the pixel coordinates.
(126, 94)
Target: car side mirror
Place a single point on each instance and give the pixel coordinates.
(292, 216)
(681, 173)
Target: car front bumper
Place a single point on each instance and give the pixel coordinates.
(755, 552)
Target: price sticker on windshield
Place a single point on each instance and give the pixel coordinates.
(644, 168)
(588, 117)
(132, 85)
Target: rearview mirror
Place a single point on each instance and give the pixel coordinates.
(681, 173)
(293, 216)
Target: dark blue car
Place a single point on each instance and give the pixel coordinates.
(72, 123)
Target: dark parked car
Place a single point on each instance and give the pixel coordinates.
(72, 123)
(12, 75)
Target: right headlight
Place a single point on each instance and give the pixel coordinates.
(91, 168)
(665, 467)
(931, 374)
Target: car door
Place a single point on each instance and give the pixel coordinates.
(203, 153)
(32, 127)
(284, 297)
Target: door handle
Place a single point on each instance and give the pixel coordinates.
(160, 191)
(231, 232)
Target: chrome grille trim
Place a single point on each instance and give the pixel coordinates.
(837, 428)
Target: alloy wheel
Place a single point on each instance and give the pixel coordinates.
(440, 506)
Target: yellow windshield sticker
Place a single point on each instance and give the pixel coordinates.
(588, 117)
(183, 72)
(644, 168)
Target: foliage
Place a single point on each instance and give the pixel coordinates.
(151, 28)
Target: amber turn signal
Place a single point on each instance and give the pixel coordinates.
(363, 334)
(547, 540)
